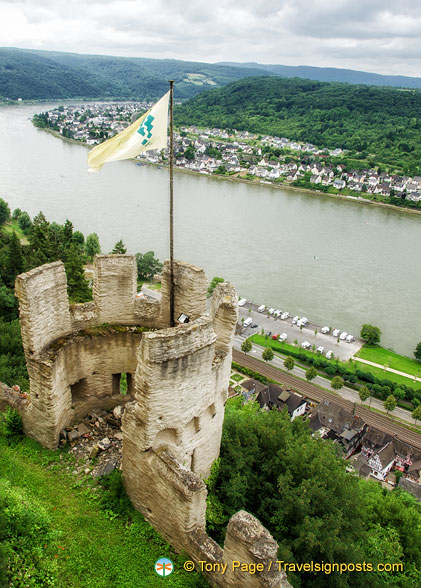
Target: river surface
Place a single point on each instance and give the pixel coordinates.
(341, 263)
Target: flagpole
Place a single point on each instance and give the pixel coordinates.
(172, 320)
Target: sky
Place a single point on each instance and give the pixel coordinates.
(381, 36)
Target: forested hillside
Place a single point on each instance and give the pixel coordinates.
(333, 74)
(381, 122)
(38, 75)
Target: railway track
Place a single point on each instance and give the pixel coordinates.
(383, 423)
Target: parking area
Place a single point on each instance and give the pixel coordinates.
(310, 333)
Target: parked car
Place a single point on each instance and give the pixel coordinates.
(253, 326)
(295, 319)
(283, 337)
(277, 313)
(329, 354)
(261, 308)
(271, 310)
(247, 322)
(350, 338)
(304, 321)
(284, 315)
(269, 333)
(325, 330)
(305, 345)
(336, 332)
(320, 349)
(343, 336)
(242, 301)
(275, 336)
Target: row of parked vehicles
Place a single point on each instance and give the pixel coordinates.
(304, 345)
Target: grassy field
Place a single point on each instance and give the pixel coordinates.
(94, 548)
(11, 226)
(378, 372)
(390, 359)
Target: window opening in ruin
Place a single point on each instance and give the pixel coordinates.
(79, 391)
(196, 424)
(122, 384)
(212, 410)
(116, 384)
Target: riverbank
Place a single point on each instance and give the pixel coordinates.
(237, 178)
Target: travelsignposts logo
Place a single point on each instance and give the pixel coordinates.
(164, 566)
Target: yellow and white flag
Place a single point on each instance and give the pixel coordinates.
(147, 132)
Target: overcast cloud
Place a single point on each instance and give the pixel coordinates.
(372, 35)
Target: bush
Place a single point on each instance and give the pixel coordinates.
(13, 424)
(113, 497)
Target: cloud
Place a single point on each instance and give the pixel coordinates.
(372, 35)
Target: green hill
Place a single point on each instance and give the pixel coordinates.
(38, 75)
(333, 74)
(371, 122)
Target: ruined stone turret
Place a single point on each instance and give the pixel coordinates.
(177, 382)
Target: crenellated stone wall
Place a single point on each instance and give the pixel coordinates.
(174, 413)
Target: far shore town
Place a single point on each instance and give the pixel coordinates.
(270, 160)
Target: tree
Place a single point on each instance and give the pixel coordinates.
(246, 346)
(311, 373)
(40, 246)
(337, 383)
(77, 287)
(267, 354)
(370, 334)
(390, 403)
(417, 351)
(14, 264)
(25, 222)
(119, 248)
(214, 282)
(147, 265)
(92, 246)
(399, 394)
(289, 363)
(189, 153)
(364, 393)
(4, 211)
(416, 413)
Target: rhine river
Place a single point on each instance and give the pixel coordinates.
(340, 263)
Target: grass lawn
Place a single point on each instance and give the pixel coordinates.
(11, 226)
(378, 372)
(237, 377)
(390, 358)
(97, 548)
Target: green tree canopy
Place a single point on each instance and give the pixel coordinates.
(119, 248)
(147, 265)
(311, 373)
(214, 282)
(267, 354)
(4, 212)
(92, 246)
(364, 393)
(246, 346)
(417, 351)
(390, 403)
(289, 363)
(337, 383)
(370, 334)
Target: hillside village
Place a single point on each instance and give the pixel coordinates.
(267, 159)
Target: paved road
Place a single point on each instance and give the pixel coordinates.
(345, 392)
(382, 422)
(343, 350)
